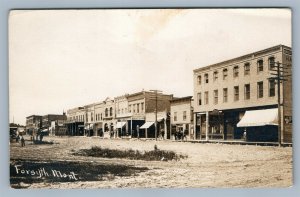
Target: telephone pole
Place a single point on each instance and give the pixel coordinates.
(279, 76)
(155, 124)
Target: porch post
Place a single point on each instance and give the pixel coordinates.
(207, 126)
(195, 125)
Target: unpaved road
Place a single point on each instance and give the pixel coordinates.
(207, 165)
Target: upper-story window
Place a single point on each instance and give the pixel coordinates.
(175, 116)
(199, 99)
(133, 108)
(236, 93)
(101, 116)
(247, 91)
(111, 111)
(142, 107)
(199, 78)
(235, 71)
(271, 63)
(106, 112)
(138, 108)
(225, 95)
(206, 78)
(260, 65)
(271, 87)
(225, 73)
(184, 115)
(215, 96)
(247, 68)
(260, 89)
(129, 108)
(206, 98)
(215, 75)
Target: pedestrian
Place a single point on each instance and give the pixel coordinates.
(162, 133)
(22, 141)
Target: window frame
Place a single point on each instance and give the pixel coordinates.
(260, 89)
(247, 93)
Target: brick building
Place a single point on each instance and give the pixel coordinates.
(223, 92)
(121, 116)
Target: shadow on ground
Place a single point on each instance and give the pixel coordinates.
(23, 173)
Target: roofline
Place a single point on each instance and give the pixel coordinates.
(242, 57)
(182, 98)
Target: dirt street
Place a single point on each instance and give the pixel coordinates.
(207, 165)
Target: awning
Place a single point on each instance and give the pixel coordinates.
(146, 125)
(257, 118)
(120, 125)
(90, 126)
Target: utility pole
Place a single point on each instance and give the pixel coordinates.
(279, 76)
(155, 124)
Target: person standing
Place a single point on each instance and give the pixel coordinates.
(22, 141)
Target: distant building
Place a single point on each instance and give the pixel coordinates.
(118, 117)
(226, 91)
(182, 116)
(60, 119)
(33, 124)
(75, 121)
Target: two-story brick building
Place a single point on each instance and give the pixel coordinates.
(223, 92)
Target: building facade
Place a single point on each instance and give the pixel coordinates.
(75, 121)
(182, 116)
(119, 117)
(33, 124)
(223, 92)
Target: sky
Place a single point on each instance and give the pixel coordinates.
(61, 59)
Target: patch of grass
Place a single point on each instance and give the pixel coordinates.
(153, 155)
